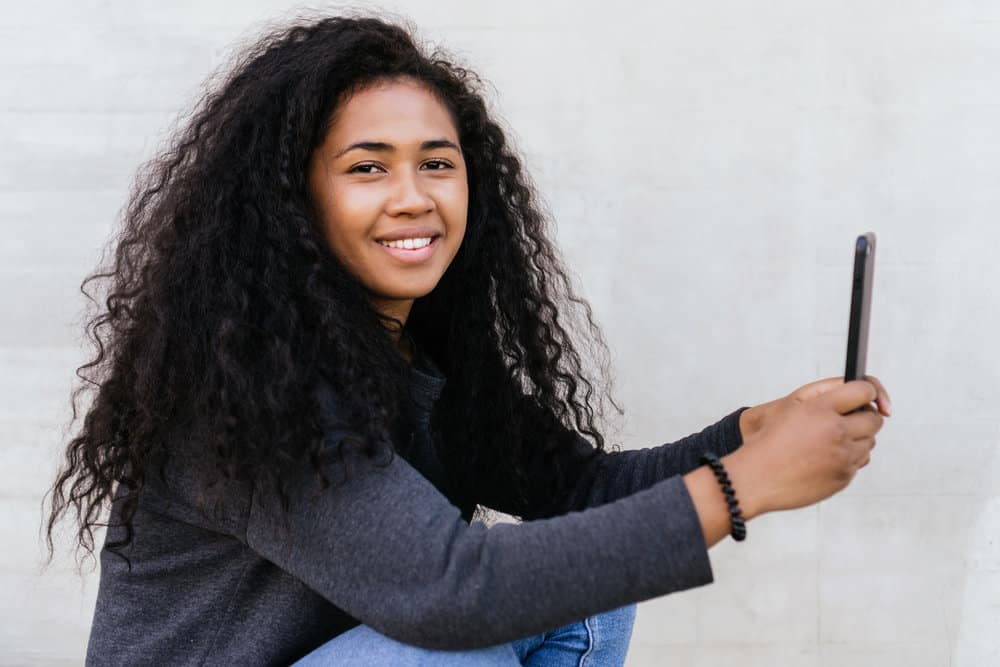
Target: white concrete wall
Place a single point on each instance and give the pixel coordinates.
(709, 165)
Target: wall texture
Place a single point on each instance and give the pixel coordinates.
(708, 166)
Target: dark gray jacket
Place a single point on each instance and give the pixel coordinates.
(389, 549)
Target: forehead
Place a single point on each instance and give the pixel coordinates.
(397, 112)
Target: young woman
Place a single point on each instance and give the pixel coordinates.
(334, 329)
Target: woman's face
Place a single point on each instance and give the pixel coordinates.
(390, 168)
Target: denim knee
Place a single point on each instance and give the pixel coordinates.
(601, 639)
(598, 640)
(610, 634)
(364, 647)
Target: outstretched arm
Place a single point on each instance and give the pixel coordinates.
(594, 477)
(386, 547)
(624, 473)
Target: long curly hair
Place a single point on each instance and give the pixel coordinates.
(225, 307)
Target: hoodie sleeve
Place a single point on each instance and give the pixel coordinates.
(593, 477)
(383, 544)
(623, 473)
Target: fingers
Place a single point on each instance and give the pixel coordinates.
(884, 404)
(864, 423)
(813, 389)
(861, 425)
(849, 396)
(863, 451)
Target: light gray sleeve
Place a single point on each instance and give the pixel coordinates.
(386, 547)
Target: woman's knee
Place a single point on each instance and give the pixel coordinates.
(600, 639)
(364, 647)
(618, 620)
(610, 633)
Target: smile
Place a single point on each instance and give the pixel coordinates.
(408, 244)
(419, 250)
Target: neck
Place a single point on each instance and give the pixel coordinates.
(405, 347)
(400, 311)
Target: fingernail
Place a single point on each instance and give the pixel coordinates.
(888, 406)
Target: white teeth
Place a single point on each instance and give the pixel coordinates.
(408, 244)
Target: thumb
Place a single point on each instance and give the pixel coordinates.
(850, 396)
(814, 389)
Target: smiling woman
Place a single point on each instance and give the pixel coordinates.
(336, 330)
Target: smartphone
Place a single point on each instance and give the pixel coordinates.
(861, 301)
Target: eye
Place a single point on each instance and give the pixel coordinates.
(444, 165)
(359, 168)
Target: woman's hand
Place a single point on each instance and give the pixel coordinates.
(808, 445)
(757, 417)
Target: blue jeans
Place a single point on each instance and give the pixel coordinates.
(600, 640)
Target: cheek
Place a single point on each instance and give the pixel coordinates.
(349, 215)
(456, 204)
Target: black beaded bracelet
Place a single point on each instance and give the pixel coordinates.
(739, 531)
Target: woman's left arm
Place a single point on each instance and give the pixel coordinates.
(602, 477)
(626, 472)
(592, 478)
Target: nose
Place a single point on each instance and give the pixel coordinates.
(408, 196)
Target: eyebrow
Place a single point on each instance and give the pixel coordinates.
(381, 146)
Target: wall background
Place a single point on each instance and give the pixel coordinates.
(708, 165)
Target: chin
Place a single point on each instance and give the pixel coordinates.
(405, 295)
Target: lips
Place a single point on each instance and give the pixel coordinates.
(410, 233)
(415, 256)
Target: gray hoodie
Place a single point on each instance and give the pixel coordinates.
(390, 549)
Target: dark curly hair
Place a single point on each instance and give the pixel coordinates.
(225, 307)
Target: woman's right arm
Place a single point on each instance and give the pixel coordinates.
(388, 548)
(383, 544)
